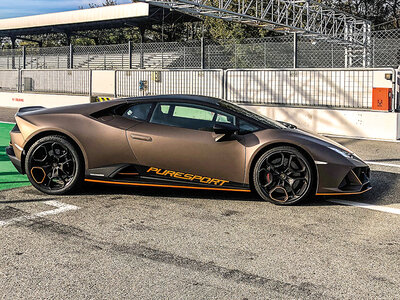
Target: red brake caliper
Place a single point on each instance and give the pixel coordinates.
(269, 178)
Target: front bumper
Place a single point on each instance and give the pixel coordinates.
(16, 162)
(355, 181)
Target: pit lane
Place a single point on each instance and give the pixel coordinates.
(131, 242)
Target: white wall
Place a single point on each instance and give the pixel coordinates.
(23, 99)
(351, 123)
(103, 83)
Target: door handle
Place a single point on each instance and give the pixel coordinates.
(141, 137)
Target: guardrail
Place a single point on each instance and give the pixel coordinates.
(338, 88)
(9, 80)
(75, 82)
(157, 82)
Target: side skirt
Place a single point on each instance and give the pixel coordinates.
(166, 185)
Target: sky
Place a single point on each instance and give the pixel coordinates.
(20, 8)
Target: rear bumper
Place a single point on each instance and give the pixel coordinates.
(16, 162)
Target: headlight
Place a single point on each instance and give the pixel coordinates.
(345, 153)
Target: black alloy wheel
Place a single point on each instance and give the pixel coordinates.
(282, 175)
(53, 165)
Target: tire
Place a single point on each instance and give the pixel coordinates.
(54, 166)
(284, 176)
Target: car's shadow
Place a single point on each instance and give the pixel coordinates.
(386, 189)
(100, 189)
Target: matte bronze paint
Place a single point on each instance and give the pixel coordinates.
(189, 151)
(108, 141)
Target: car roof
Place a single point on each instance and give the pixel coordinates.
(179, 97)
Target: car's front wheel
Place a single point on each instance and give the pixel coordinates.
(283, 175)
(53, 165)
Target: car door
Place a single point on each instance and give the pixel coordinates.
(179, 137)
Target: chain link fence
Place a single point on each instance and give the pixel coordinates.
(386, 48)
(268, 52)
(11, 59)
(47, 58)
(104, 57)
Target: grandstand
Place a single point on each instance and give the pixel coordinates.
(343, 34)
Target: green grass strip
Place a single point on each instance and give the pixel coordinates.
(9, 176)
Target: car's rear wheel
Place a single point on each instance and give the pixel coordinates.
(283, 175)
(53, 165)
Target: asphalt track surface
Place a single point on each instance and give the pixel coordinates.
(148, 243)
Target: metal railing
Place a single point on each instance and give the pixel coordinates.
(74, 82)
(130, 83)
(338, 88)
(334, 88)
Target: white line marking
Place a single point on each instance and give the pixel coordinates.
(61, 207)
(368, 206)
(382, 164)
(7, 122)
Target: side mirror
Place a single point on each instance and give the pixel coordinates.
(227, 130)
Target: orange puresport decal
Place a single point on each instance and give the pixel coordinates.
(186, 176)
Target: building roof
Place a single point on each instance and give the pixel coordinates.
(124, 15)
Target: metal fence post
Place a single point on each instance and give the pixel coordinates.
(115, 83)
(295, 50)
(265, 54)
(141, 55)
(397, 91)
(184, 56)
(224, 83)
(202, 52)
(235, 53)
(130, 54)
(19, 87)
(23, 57)
(90, 83)
(71, 57)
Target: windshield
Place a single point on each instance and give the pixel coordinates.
(250, 114)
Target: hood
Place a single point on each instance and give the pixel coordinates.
(321, 139)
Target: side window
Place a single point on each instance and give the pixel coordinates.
(189, 116)
(138, 111)
(246, 127)
(193, 113)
